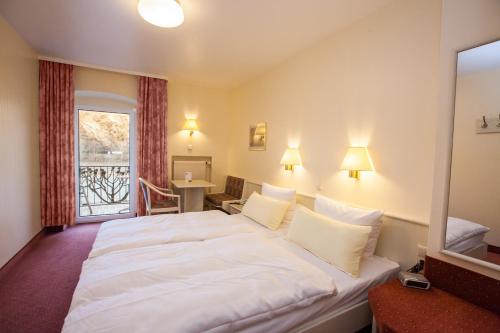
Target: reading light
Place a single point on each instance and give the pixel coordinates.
(357, 159)
(162, 13)
(291, 158)
(190, 126)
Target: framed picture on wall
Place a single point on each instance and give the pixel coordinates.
(257, 137)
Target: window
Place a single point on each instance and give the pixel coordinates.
(105, 169)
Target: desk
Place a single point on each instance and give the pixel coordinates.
(192, 193)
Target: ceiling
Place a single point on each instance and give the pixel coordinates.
(221, 43)
(479, 58)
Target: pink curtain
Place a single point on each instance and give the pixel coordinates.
(151, 135)
(57, 173)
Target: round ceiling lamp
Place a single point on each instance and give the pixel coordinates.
(162, 13)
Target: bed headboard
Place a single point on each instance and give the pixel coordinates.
(399, 238)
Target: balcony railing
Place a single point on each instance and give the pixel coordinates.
(104, 190)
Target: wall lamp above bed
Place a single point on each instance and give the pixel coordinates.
(357, 159)
(291, 158)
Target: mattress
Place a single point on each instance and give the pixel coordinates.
(463, 235)
(375, 270)
(467, 244)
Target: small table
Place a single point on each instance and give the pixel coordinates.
(232, 207)
(192, 193)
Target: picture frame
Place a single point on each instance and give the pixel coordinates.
(257, 137)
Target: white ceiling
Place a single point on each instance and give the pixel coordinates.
(221, 43)
(479, 58)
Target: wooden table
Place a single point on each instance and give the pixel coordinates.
(192, 193)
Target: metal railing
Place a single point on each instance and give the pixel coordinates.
(104, 186)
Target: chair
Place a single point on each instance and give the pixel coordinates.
(170, 205)
(232, 192)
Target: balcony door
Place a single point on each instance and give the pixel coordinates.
(105, 163)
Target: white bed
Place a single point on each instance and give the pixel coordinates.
(150, 238)
(466, 237)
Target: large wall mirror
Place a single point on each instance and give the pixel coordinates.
(473, 226)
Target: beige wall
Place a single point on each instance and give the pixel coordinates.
(475, 185)
(464, 24)
(211, 108)
(19, 164)
(372, 84)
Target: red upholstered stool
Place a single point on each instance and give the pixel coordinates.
(401, 309)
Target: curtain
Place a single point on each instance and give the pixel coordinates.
(57, 173)
(151, 135)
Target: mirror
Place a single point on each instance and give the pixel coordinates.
(473, 226)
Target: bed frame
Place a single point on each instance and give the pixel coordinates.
(350, 319)
(399, 241)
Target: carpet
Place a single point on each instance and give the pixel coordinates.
(37, 285)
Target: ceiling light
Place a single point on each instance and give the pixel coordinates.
(162, 13)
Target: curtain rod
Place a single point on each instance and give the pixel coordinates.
(102, 68)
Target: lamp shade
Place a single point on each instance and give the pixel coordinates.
(291, 157)
(162, 13)
(358, 159)
(190, 125)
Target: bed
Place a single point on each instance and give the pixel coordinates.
(177, 273)
(466, 237)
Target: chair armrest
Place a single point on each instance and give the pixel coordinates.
(166, 194)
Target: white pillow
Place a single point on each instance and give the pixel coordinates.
(283, 194)
(337, 243)
(342, 212)
(267, 211)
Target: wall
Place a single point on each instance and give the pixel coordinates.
(464, 24)
(211, 108)
(367, 85)
(474, 185)
(19, 164)
(209, 105)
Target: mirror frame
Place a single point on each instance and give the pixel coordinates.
(446, 202)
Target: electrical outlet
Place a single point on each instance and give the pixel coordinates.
(422, 250)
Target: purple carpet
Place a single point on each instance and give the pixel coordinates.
(36, 286)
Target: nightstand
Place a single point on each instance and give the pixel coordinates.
(233, 208)
(400, 309)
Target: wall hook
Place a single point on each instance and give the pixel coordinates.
(484, 124)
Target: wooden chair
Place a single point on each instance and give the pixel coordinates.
(232, 192)
(172, 203)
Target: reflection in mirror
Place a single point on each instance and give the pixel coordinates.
(473, 227)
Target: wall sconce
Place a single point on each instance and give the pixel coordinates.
(357, 159)
(291, 158)
(190, 126)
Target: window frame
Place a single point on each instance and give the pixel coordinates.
(132, 161)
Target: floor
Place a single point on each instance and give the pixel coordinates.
(36, 286)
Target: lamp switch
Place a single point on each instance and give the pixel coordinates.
(190, 147)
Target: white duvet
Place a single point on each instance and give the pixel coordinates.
(459, 230)
(223, 284)
(162, 229)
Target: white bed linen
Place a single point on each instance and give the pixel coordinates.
(350, 291)
(167, 228)
(460, 230)
(225, 284)
(467, 244)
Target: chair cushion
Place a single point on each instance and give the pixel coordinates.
(217, 198)
(164, 204)
(234, 186)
